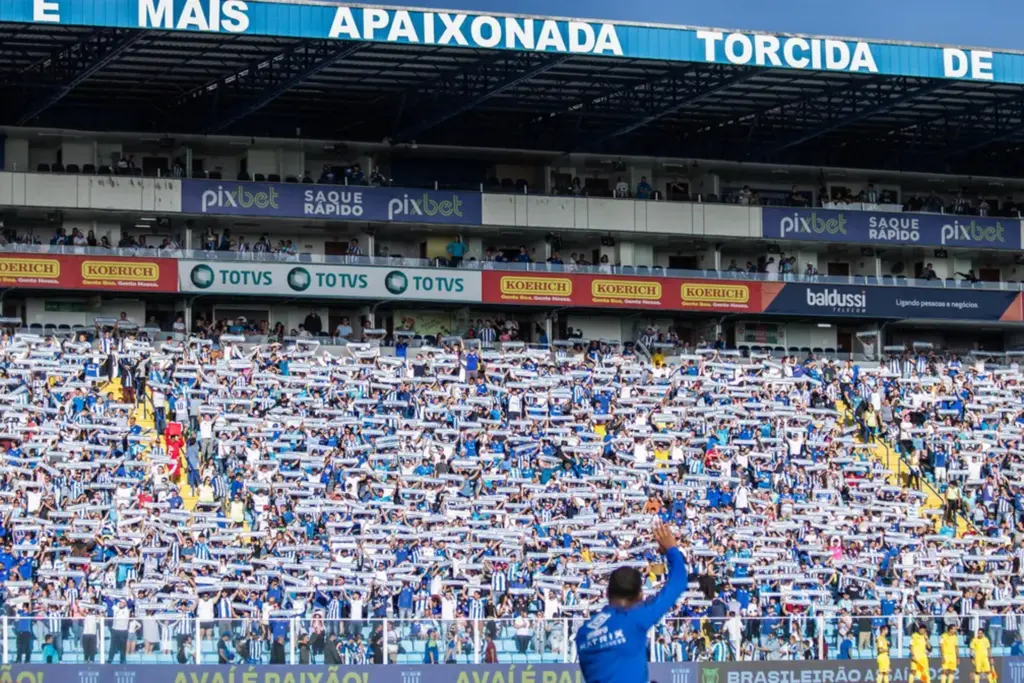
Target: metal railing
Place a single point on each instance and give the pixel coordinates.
(252, 638)
(516, 267)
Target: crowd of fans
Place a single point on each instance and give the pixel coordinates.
(455, 504)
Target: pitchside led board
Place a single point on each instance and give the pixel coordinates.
(324, 21)
(330, 202)
(891, 228)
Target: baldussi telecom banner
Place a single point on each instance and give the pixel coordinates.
(603, 291)
(330, 202)
(328, 281)
(881, 228)
(682, 672)
(891, 302)
(44, 271)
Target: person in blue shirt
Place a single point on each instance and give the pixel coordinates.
(612, 645)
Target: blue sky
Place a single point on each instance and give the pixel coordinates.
(978, 23)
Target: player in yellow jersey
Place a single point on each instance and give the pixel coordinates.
(949, 645)
(882, 646)
(920, 647)
(981, 651)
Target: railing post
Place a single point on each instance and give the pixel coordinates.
(384, 640)
(7, 643)
(199, 643)
(101, 632)
(821, 637)
(476, 641)
(565, 641)
(291, 642)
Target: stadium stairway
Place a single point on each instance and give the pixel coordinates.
(884, 453)
(143, 414)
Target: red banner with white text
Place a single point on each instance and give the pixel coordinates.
(85, 273)
(615, 291)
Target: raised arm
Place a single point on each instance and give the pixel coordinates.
(652, 610)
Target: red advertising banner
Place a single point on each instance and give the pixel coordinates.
(620, 291)
(85, 273)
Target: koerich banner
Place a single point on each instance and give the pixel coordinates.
(84, 273)
(328, 281)
(879, 228)
(330, 202)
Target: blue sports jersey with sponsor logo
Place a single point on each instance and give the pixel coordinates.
(612, 645)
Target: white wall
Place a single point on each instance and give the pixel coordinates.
(263, 161)
(108, 153)
(16, 155)
(596, 327)
(293, 162)
(40, 155)
(35, 311)
(811, 336)
(80, 153)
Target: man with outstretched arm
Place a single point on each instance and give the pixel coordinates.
(612, 645)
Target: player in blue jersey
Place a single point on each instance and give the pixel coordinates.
(612, 645)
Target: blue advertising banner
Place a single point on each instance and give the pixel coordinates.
(435, 673)
(892, 302)
(1012, 669)
(878, 228)
(282, 18)
(330, 202)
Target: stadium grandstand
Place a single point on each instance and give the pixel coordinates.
(354, 335)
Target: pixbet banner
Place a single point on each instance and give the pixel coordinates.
(83, 273)
(330, 202)
(891, 302)
(603, 291)
(878, 228)
(447, 673)
(328, 281)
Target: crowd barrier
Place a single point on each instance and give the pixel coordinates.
(521, 641)
(1008, 670)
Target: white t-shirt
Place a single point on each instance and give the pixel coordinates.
(447, 609)
(122, 615)
(205, 610)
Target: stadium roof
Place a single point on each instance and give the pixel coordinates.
(679, 93)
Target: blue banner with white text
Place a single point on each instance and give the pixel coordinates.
(900, 303)
(331, 202)
(288, 19)
(878, 228)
